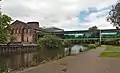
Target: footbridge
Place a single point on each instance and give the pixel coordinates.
(103, 34)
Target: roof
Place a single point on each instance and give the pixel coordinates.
(53, 29)
(17, 21)
(34, 25)
(29, 24)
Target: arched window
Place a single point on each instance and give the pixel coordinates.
(17, 30)
(25, 30)
(27, 39)
(14, 31)
(20, 30)
(28, 30)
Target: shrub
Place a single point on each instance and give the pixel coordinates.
(50, 42)
(97, 44)
(85, 45)
(66, 43)
(92, 46)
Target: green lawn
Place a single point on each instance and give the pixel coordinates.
(110, 48)
(110, 54)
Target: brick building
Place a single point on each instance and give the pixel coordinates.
(25, 33)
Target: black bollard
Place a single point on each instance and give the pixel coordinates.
(69, 51)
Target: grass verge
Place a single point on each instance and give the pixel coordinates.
(110, 54)
(110, 48)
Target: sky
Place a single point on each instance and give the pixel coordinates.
(64, 14)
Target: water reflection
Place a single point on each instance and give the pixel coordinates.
(77, 48)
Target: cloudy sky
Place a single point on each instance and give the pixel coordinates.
(65, 14)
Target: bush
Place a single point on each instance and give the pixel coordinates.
(97, 44)
(50, 42)
(86, 45)
(66, 43)
(92, 46)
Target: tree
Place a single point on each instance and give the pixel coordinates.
(49, 47)
(114, 15)
(50, 42)
(67, 43)
(4, 28)
(93, 31)
(93, 28)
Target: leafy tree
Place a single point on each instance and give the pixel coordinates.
(67, 43)
(93, 31)
(4, 28)
(114, 15)
(49, 41)
(49, 47)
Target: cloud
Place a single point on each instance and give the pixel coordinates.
(60, 13)
(99, 19)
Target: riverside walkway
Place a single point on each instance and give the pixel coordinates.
(85, 62)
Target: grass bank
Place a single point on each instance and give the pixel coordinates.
(110, 54)
(112, 48)
(111, 51)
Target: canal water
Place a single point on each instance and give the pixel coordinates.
(77, 48)
(17, 61)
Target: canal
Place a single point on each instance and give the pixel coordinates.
(77, 48)
(22, 60)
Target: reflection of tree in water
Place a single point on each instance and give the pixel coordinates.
(3, 65)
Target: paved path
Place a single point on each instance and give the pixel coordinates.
(86, 62)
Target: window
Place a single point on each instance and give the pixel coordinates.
(14, 31)
(17, 30)
(28, 30)
(25, 30)
(27, 39)
(20, 30)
